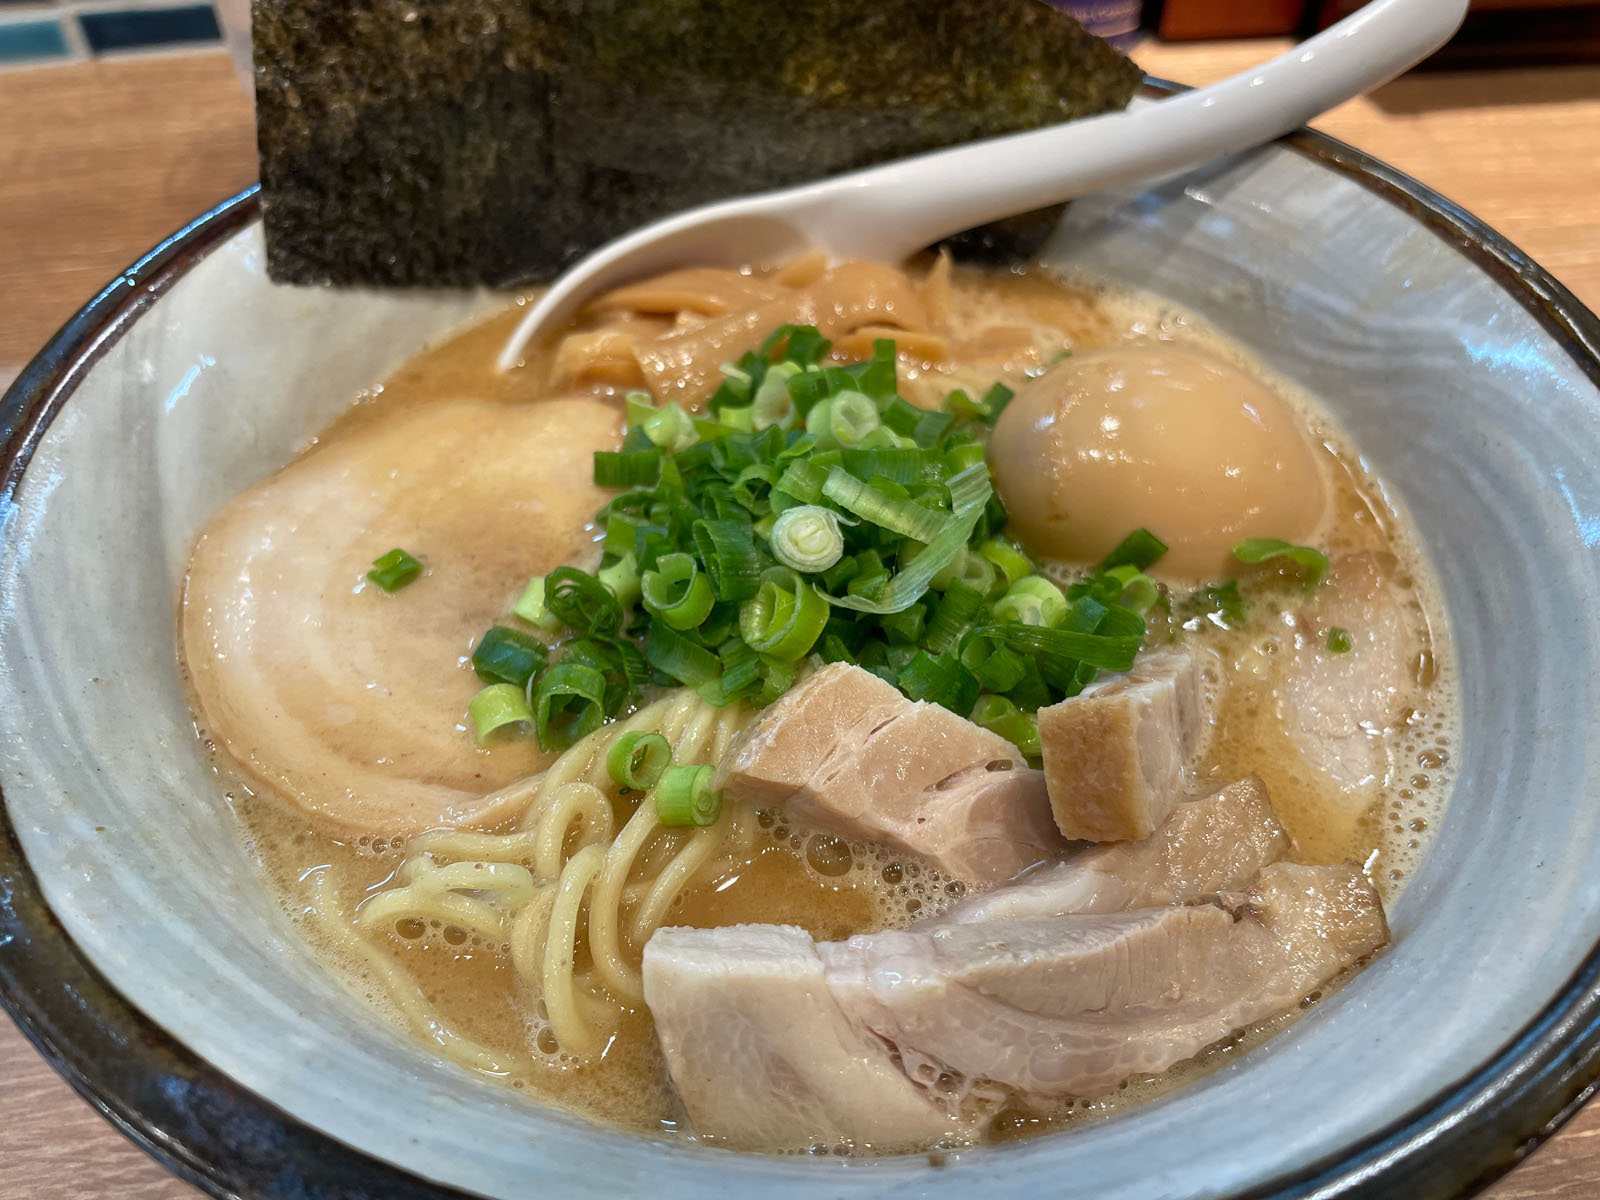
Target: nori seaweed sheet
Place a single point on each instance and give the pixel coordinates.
(459, 142)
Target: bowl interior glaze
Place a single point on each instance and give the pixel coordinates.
(1476, 412)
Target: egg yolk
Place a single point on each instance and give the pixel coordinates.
(1174, 441)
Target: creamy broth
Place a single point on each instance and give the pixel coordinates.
(1379, 814)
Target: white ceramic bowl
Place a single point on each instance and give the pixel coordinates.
(174, 992)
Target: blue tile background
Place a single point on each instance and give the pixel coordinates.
(135, 29)
(33, 40)
(31, 33)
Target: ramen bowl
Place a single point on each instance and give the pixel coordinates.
(141, 952)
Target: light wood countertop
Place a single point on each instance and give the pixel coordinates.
(98, 161)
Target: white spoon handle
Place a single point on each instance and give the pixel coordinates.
(917, 201)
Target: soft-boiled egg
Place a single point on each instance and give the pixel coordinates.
(1183, 444)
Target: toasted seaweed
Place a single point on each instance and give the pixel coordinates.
(497, 141)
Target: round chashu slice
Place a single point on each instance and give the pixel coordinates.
(351, 702)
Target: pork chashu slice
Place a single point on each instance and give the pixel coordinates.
(1216, 843)
(1114, 756)
(844, 751)
(761, 1054)
(1049, 1007)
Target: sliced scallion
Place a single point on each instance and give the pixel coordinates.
(727, 548)
(939, 679)
(394, 570)
(670, 427)
(1140, 549)
(569, 701)
(1339, 640)
(505, 655)
(677, 591)
(1009, 557)
(784, 619)
(674, 654)
(1000, 715)
(1108, 652)
(1313, 561)
(581, 602)
(532, 608)
(495, 706)
(627, 469)
(637, 759)
(843, 420)
(772, 404)
(807, 538)
(684, 797)
(1033, 600)
(883, 509)
(622, 577)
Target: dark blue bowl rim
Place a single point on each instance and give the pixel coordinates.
(230, 1142)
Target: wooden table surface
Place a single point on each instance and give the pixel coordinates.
(98, 161)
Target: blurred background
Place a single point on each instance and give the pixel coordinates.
(119, 122)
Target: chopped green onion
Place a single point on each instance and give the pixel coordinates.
(785, 617)
(905, 628)
(627, 469)
(637, 759)
(802, 480)
(581, 602)
(931, 426)
(497, 705)
(677, 591)
(568, 703)
(728, 550)
(902, 416)
(958, 607)
(772, 404)
(505, 655)
(939, 680)
(903, 516)
(1110, 652)
(622, 577)
(1000, 715)
(905, 464)
(1140, 549)
(1032, 601)
(994, 402)
(394, 570)
(532, 608)
(674, 654)
(737, 418)
(807, 538)
(684, 797)
(741, 667)
(998, 668)
(987, 410)
(1009, 557)
(738, 379)
(843, 420)
(670, 427)
(1339, 640)
(638, 405)
(969, 493)
(776, 679)
(802, 344)
(1312, 560)
(1136, 590)
(977, 573)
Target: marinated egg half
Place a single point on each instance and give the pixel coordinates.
(1176, 441)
